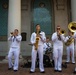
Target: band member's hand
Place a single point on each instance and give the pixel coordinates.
(71, 34)
(59, 33)
(14, 34)
(38, 36)
(34, 44)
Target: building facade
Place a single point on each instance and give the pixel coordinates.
(25, 14)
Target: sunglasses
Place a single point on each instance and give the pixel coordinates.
(58, 28)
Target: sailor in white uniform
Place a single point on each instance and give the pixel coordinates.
(41, 41)
(15, 40)
(57, 39)
(70, 48)
(74, 36)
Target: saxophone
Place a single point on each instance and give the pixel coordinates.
(37, 40)
(69, 41)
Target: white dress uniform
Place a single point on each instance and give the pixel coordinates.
(40, 51)
(74, 36)
(57, 51)
(14, 50)
(70, 48)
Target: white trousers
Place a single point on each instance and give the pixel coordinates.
(33, 57)
(15, 52)
(70, 49)
(57, 56)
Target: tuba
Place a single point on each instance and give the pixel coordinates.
(69, 41)
(37, 40)
(72, 28)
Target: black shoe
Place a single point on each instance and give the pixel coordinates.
(9, 68)
(73, 63)
(55, 70)
(42, 72)
(31, 72)
(59, 70)
(15, 70)
(74, 72)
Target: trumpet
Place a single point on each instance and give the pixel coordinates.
(62, 32)
(59, 33)
(11, 33)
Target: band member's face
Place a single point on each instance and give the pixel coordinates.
(47, 40)
(58, 29)
(38, 27)
(16, 32)
(70, 33)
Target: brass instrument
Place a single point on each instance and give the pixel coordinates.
(72, 28)
(11, 33)
(69, 41)
(37, 40)
(62, 31)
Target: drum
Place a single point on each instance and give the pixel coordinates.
(46, 61)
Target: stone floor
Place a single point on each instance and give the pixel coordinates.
(25, 71)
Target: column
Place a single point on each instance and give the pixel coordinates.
(73, 12)
(14, 20)
(73, 9)
(14, 15)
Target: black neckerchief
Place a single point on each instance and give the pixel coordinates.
(14, 38)
(47, 43)
(59, 38)
(69, 36)
(36, 31)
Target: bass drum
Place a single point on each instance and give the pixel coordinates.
(47, 62)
